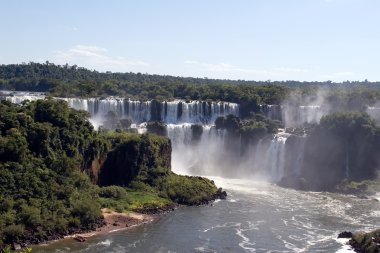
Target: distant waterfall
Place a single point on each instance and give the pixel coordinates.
(19, 97)
(269, 159)
(173, 112)
(347, 167)
(294, 115)
(374, 112)
(198, 147)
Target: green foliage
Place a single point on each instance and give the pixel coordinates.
(343, 146)
(156, 127)
(137, 196)
(13, 233)
(187, 190)
(47, 172)
(44, 145)
(366, 242)
(230, 122)
(253, 128)
(141, 157)
(65, 81)
(112, 191)
(8, 250)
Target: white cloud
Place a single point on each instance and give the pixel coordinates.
(95, 58)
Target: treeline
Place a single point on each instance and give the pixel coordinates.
(73, 81)
(52, 160)
(49, 71)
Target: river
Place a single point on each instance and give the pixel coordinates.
(256, 217)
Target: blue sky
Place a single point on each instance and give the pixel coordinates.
(229, 39)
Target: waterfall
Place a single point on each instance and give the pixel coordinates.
(294, 115)
(374, 112)
(269, 160)
(19, 97)
(198, 147)
(205, 155)
(347, 168)
(300, 151)
(171, 112)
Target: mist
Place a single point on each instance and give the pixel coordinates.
(292, 156)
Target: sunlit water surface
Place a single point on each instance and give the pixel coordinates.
(256, 217)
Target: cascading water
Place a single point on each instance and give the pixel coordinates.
(204, 150)
(347, 169)
(292, 115)
(269, 158)
(174, 112)
(374, 112)
(19, 97)
(284, 220)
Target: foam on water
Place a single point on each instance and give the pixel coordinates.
(105, 242)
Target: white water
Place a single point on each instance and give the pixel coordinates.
(213, 154)
(293, 116)
(257, 217)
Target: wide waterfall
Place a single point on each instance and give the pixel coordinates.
(200, 148)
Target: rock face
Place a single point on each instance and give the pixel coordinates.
(141, 156)
(156, 127)
(345, 234)
(220, 194)
(366, 242)
(344, 147)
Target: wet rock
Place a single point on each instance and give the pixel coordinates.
(345, 234)
(79, 238)
(361, 196)
(220, 194)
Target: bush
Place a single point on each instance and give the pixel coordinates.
(30, 216)
(13, 233)
(87, 211)
(116, 192)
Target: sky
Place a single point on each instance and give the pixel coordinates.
(305, 40)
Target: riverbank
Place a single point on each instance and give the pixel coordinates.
(114, 221)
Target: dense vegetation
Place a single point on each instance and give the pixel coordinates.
(42, 191)
(51, 159)
(343, 148)
(366, 242)
(73, 81)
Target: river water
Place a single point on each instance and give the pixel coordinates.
(256, 217)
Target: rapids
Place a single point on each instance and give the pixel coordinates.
(256, 217)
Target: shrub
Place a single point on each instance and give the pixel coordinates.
(116, 192)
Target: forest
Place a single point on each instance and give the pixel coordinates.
(56, 173)
(74, 81)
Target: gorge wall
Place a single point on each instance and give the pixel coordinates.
(295, 156)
